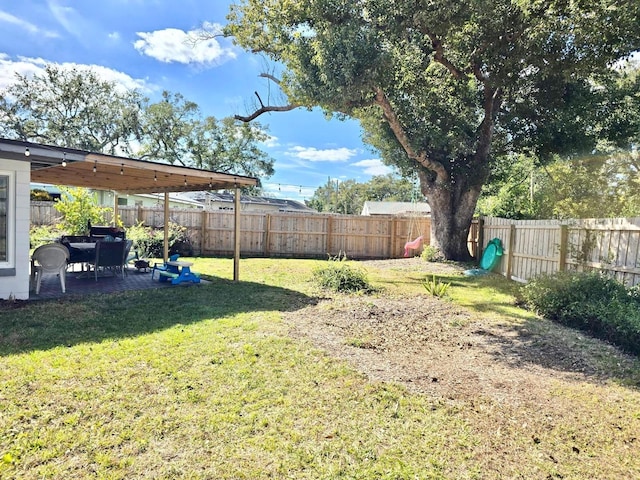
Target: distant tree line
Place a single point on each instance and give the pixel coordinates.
(77, 109)
(348, 196)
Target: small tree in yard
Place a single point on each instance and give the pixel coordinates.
(444, 88)
(78, 207)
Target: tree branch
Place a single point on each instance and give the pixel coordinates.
(266, 108)
(492, 101)
(261, 110)
(268, 76)
(439, 57)
(259, 99)
(394, 123)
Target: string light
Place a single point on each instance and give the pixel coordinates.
(122, 169)
(185, 180)
(64, 159)
(155, 177)
(211, 183)
(95, 166)
(27, 152)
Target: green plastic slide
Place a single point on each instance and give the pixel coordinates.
(491, 255)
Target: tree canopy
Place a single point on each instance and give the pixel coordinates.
(76, 109)
(445, 88)
(70, 108)
(348, 197)
(604, 182)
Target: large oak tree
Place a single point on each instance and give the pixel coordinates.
(443, 88)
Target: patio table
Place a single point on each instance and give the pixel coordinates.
(84, 246)
(88, 250)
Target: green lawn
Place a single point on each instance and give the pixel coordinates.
(204, 383)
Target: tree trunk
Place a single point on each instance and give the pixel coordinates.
(452, 208)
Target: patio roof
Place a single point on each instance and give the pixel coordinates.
(79, 168)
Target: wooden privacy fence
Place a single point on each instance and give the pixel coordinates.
(302, 236)
(280, 234)
(536, 247)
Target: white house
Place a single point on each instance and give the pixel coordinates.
(23, 162)
(14, 229)
(105, 198)
(395, 208)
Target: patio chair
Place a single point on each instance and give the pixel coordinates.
(50, 258)
(162, 267)
(109, 256)
(128, 255)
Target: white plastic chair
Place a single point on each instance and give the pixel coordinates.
(50, 258)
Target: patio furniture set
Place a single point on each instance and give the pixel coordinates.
(105, 250)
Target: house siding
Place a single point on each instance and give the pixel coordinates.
(15, 285)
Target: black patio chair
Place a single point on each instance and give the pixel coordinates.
(109, 256)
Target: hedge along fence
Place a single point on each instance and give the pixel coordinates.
(535, 247)
(281, 234)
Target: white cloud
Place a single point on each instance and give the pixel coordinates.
(313, 154)
(271, 141)
(35, 66)
(9, 69)
(373, 167)
(26, 26)
(174, 45)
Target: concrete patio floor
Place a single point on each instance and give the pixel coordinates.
(78, 284)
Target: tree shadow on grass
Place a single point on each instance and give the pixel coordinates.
(519, 337)
(29, 326)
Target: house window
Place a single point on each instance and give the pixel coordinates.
(6, 219)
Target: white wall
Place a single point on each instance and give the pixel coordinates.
(17, 286)
(105, 199)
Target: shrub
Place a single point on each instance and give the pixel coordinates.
(634, 293)
(431, 254)
(588, 301)
(43, 234)
(79, 207)
(339, 276)
(40, 195)
(149, 241)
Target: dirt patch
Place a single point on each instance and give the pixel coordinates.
(437, 348)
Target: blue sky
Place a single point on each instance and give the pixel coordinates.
(143, 44)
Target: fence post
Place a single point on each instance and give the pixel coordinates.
(479, 238)
(267, 235)
(392, 239)
(203, 231)
(512, 244)
(564, 237)
(329, 234)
